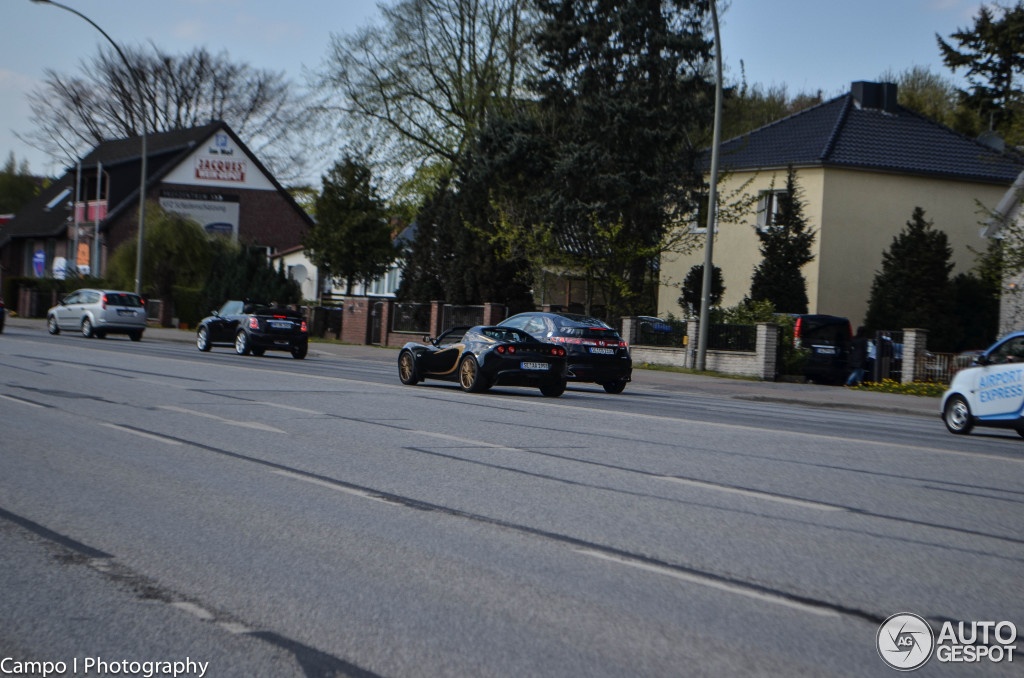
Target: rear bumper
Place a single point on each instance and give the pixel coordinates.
(620, 369)
(277, 342)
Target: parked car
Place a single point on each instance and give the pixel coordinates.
(254, 328)
(990, 392)
(827, 340)
(97, 313)
(481, 357)
(595, 351)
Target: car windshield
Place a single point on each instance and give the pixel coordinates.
(123, 299)
(231, 308)
(506, 334)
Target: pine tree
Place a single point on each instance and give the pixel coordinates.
(785, 249)
(913, 287)
(693, 288)
(351, 237)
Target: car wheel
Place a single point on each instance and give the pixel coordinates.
(51, 325)
(470, 378)
(407, 369)
(258, 351)
(299, 351)
(203, 339)
(87, 328)
(100, 334)
(241, 343)
(553, 389)
(615, 386)
(957, 416)
(135, 335)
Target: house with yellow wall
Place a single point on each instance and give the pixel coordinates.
(863, 163)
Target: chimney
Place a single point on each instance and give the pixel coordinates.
(876, 95)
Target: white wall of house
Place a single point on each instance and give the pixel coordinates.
(856, 215)
(305, 272)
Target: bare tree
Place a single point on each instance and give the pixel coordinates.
(72, 113)
(416, 88)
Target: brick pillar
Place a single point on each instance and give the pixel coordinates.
(767, 349)
(915, 344)
(692, 338)
(493, 313)
(355, 324)
(631, 329)
(436, 316)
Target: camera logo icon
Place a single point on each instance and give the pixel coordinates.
(905, 641)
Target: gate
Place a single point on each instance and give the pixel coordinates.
(888, 355)
(376, 318)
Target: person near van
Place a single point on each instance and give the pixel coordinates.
(857, 360)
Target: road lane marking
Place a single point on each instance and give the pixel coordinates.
(21, 401)
(333, 486)
(806, 503)
(711, 582)
(290, 407)
(143, 434)
(193, 609)
(244, 424)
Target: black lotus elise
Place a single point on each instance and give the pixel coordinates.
(481, 357)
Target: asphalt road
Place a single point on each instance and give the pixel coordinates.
(273, 517)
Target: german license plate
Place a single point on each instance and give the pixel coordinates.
(602, 351)
(825, 350)
(536, 366)
(281, 326)
(125, 311)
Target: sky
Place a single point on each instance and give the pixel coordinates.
(804, 45)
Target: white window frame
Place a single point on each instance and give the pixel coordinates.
(768, 207)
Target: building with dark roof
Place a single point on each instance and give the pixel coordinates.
(205, 172)
(863, 163)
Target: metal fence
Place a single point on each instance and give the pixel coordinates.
(669, 333)
(942, 367)
(732, 337)
(407, 317)
(461, 315)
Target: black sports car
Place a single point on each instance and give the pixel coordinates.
(480, 357)
(254, 328)
(596, 352)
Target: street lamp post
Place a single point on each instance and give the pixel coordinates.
(705, 297)
(142, 121)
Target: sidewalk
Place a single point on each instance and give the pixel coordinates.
(811, 395)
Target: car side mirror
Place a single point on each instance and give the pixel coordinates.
(215, 314)
(427, 339)
(982, 360)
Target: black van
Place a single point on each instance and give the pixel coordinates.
(827, 338)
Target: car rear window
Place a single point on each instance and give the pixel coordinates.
(832, 332)
(585, 328)
(116, 299)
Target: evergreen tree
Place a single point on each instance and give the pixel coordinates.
(351, 237)
(693, 288)
(17, 186)
(785, 248)
(243, 272)
(992, 55)
(913, 287)
(621, 96)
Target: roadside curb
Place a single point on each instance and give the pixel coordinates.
(838, 406)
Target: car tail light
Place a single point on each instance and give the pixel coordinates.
(796, 332)
(511, 349)
(304, 327)
(254, 323)
(142, 302)
(104, 302)
(500, 348)
(623, 344)
(557, 351)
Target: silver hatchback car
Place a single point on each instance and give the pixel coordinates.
(97, 313)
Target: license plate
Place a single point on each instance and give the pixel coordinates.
(281, 326)
(825, 350)
(602, 351)
(125, 311)
(536, 366)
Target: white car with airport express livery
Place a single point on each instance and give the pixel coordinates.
(990, 392)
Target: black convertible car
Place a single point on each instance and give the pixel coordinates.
(480, 357)
(254, 328)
